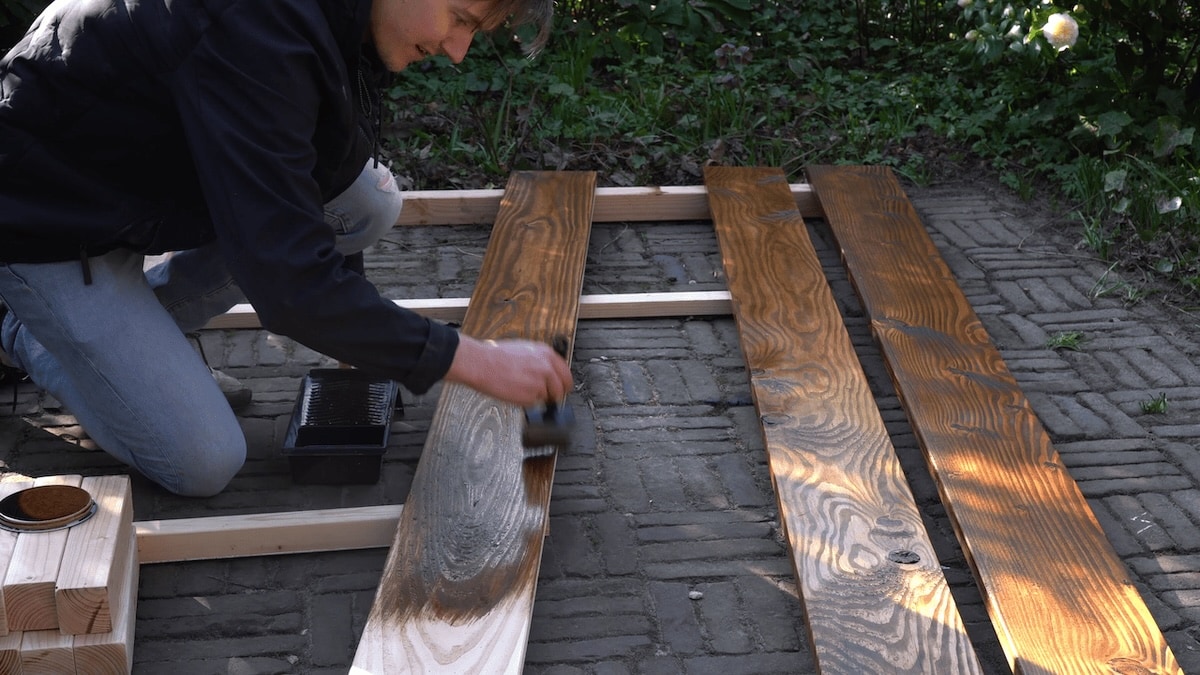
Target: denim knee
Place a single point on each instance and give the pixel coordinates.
(365, 211)
(208, 462)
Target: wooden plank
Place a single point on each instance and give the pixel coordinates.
(47, 652)
(257, 534)
(10, 654)
(608, 306)
(112, 653)
(458, 585)
(8, 543)
(611, 205)
(654, 305)
(1059, 596)
(88, 580)
(53, 652)
(33, 572)
(874, 595)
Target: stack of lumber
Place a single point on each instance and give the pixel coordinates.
(69, 595)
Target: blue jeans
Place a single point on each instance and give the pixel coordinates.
(116, 355)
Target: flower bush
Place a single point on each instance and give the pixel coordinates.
(1061, 31)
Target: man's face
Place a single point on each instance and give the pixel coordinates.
(406, 31)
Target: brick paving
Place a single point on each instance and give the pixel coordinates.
(664, 554)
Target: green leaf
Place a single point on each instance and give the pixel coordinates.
(1112, 122)
(1169, 136)
(1114, 181)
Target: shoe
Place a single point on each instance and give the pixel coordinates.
(237, 394)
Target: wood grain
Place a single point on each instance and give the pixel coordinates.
(1059, 596)
(88, 579)
(51, 652)
(458, 585)
(32, 572)
(47, 652)
(874, 595)
(8, 543)
(112, 653)
(10, 653)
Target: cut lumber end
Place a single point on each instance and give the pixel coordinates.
(112, 653)
(31, 606)
(47, 652)
(87, 580)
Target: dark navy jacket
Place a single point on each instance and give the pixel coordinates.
(162, 125)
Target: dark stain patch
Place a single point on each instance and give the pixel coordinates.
(476, 539)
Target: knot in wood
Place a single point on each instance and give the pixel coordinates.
(903, 556)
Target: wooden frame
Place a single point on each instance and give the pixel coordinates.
(613, 205)
(265, 534)
(218, 537)
(259, 534)
(614, 306)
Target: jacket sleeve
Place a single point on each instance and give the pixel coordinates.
(262, 89)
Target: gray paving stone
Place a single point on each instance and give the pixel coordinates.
(332, 635)
(757, 664)
(582, 651)
(773, 613)
(680, 627)
(668, 492)
(722, 615)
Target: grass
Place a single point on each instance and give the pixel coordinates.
(1156, 405)
(647, 119)
(788, 88)
(1070, 340)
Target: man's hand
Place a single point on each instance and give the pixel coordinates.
(521, 372)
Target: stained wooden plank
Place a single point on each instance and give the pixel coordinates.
(458, 585)
(1059, 596)
(874, 595)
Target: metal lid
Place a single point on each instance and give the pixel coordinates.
(45, 507)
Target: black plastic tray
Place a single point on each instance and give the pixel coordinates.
(340, 427)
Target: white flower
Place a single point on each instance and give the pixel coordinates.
(1061, 31)
(965, 3)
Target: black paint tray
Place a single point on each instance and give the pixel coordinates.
(340, 427)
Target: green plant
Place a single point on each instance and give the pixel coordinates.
(1065, 340)
(629, 27)
(1104, 286)
(889, 83)
(1156, 405)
